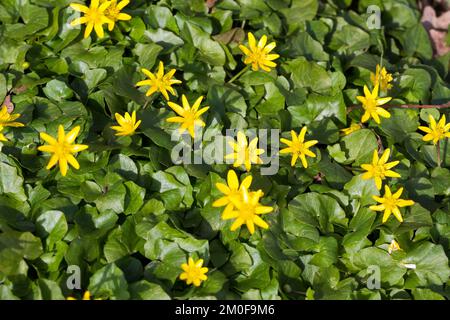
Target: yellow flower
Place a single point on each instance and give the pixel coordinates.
(113, 12)
(231, 191)
(379, 169)
(245, 153)
(188, 116)
(159, 82)
(393, 246)
(353, 127)
(371, 104)
(62, 149)
(8, 120)
(299, 147)
(436, 131)
(127, 125)
(86, 296)
(247, 210)
(2, 136)
(94, 17)
(382, 78)
(391, 203)
(258, 55)
(193, 272)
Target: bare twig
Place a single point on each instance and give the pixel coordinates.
(408, 106)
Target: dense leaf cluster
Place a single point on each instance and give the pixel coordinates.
(130, 217)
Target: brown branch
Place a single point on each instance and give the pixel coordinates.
(408, 106)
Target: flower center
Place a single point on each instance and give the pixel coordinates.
(247, 211)
(370, 105)
(61, 149)
(438, 132)
(94, 16)
(390, 203)
(194, 273)
(258, 55)
(298, 147)
(379, 171)
(112, 12)
(189, 118)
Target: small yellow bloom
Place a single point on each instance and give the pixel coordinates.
(436, 131)
(371, 104)
(379, 169)
(194, 272)
(2, 136)
(232, 191)
(245, 153)
(188, 116)
(113, 12)
(159, 82)
(247, 210)
(127, 125)
(393, 246)
(258, 55)
(391, 203)
(94, 17)
(353, 127)
(86, 296)
(8, 120)
(382, 78)
(298, 147)
(62, 149)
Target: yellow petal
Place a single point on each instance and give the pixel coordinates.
(72, 135)
(63, 166)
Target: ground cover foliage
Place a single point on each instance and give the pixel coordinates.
(129, 217)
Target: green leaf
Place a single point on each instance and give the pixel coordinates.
(300, 11)
(57, 90)
(144, 290)
(320, 211)
(15, 246)
(309, 74)
(53, 226)
(109, 282)
(431, 266)
(359, 146)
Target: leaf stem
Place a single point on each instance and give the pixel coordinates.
(239, 74)
(438, 151)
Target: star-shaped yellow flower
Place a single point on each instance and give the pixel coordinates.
(86, 296)
(8, 120)
(113, 12)
(189, 117)
(232, 191)
(393, 246)
(247, 210)
(94, 17)
(159, 82)
(298, 147)
(436, 131)
(371, 104)
(382, 78)
(245, 153)
(379, 169)
(62, 149)
(353, 127)
(194, 272)
(259, 55)
(127, 125)
(391, 203)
